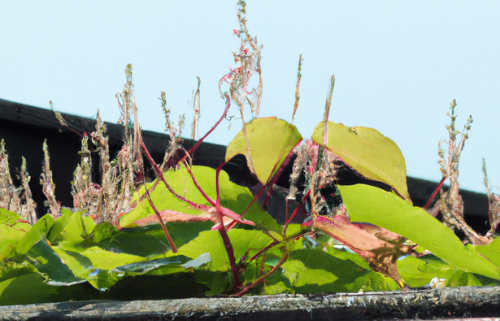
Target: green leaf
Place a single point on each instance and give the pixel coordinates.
(418, 272)
(103, 262)
(77, 263)
(7, 250)
(30, 288)
(103, 280)
(151, 240)
(107, 260)
(12, 226)
(271, 140)
(140, 268)
(46, 261)
(218, 282)
(305, 280)
(345, 255)
(211, 242)
(38, 232)
(78, 228)
(102, 231)
(491, 251)
(324, 272)
(367, 151)
(374, 282)
(232, 196)
(59, 224)
(372, 205)
(314, 271)
(250, 241)
(12, 269)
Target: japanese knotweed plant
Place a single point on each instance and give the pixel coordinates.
(214, 237)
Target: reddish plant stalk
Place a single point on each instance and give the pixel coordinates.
(262, 278)
(269, 246)
(294, 213)
(435, 192)
(279, 172)
(262, 266)
(195, 182)
(223, 234)
(269, 183)
(160, 175)
(225, 211)
(172, 245)
(191, 151)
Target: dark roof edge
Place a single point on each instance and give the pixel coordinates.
(476, 204)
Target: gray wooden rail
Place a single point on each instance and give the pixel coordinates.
(466, 302)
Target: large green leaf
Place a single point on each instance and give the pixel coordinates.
(150, 240)
(232, 196)
(77, 228)
(38, 232)
(270, 139)
(372, 205)
(491, 251)
(46, 261)
(31, 288)
(59, 224)
(243, 241)
(102, 262)
(80, 265)
(418, 272)
(163, 266)
(12, 226)
(218, 282)
(12, 269)
(7, 249)
(367, 151)
(107, 260)
(314, 271)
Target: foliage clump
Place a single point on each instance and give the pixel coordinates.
(219, 239)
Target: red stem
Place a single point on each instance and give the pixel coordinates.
(262, 278)
(283, 165)
(224, 211)
(160, 175)
(435, 192)
(195, 182)
(223, 233)
(191, 151)
(279, 172)
(295, 212)
(256, 255)
(172, 245)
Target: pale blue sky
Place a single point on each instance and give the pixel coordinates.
(398, 65)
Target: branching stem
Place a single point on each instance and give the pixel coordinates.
(172, 245)
(223, 234)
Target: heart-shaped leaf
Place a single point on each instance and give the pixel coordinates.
(367, 151)
(270, 139)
